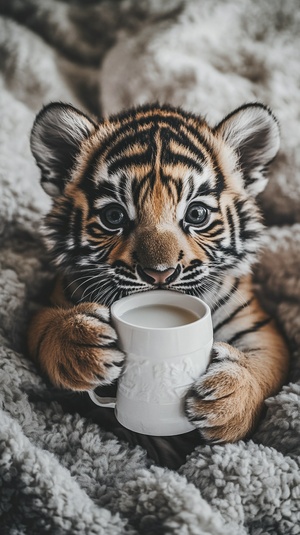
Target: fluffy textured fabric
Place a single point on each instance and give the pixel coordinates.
(61, 472)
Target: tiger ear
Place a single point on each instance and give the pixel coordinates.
(253, 132)
(56, 137)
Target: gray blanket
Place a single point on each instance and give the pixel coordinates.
(62, 472)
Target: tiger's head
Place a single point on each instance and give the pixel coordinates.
(154, 197)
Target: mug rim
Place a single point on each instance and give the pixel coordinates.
(131, 297)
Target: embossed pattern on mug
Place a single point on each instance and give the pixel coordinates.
(165, 375)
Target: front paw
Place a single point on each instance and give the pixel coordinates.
(225, 402)
(83, 348)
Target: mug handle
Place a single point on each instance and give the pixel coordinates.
(109, 403)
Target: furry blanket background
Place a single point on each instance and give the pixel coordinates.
(60, 472)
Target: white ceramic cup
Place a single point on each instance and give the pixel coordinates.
(161, 364)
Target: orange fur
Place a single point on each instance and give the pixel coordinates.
(73, 346)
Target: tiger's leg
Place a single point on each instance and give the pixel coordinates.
(75, 345)
(226, 402)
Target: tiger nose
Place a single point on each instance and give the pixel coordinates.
(158, 277)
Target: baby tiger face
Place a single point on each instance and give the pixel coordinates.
(153, 198)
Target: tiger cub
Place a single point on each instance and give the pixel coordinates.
(156, 198)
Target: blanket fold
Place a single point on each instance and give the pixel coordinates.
(61, 470)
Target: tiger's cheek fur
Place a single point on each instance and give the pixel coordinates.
(122, 251)
(195, 250)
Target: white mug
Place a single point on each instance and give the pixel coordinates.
(167, 338)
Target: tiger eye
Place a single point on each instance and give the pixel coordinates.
(196, 214)
(113, 216)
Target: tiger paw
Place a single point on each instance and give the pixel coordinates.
(79, 348)
(225, 402)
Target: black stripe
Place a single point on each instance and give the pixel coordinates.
(193, 263)
(245, 221)
(154, 121)
(206, 189)
(232, 315)
(169, 158)
(214, 234)
(88, 177)
(147, 183)
(190, 276)
(77, 228)
(59, 221)
(219, 177)
(106, 188)
(88, 186)
(191, 188)
(248, 235)
(122, 187)
(182, 139)
(110, 345)
(94, 229)
(257, 325)
(125, 272)
(145, 158)
(210, 227)
(128, 138)
(208, 248)
(231, 227)
(135, 190)
(167, 181)
(179, 187)
(228, 296)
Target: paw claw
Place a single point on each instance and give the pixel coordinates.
(89, 355)
(218, 404)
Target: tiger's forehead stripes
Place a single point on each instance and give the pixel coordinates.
(146, 136)
(178, 148)
(133, 138)
(151, 111)
(194, 128)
